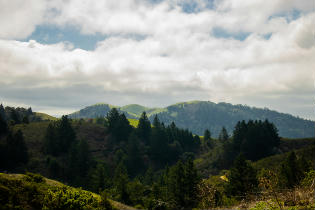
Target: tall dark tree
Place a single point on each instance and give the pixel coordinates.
(120, 183)
(79, 163)
(14, 116)
(66, 134)
(158, 144)
(182, 184)
(2, 112)
(223, 136)
(134, 157)
(144, 128)
(207, 135)
(242, 178)
(255, 139)
(292, 171)
(99, 178)
(3, 126)
(16, 150)
(118, 125)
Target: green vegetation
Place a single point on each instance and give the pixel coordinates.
(32, 191)
(198, 116)
(151, 165)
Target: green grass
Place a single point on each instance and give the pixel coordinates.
(44, 116)
(133, 122)
(32, 191)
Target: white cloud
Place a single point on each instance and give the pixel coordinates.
(176, 59)
(18, 18)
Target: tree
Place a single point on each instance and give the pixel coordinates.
(16, 150)
(207, 135)
(158, 143)
(51, 143)
(242, 178)
(223, 136)
(120, 183)
(2, 113)
(99, 178)
(3, 126)
(79, 163)
(65, 133)
(134, 158)
(255, 139)
(144, 128)
(182, 184)
(292, 171)
(118, 125)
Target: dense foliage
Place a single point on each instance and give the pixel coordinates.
(198, 116)
(153, 166)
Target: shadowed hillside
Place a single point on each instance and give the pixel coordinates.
(200, 115)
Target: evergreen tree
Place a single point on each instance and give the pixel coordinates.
(207, 135)
(15, 118)
(223, 136)
(99, 178)
(158, 144)
(242, 178)
(118, 125)
(290, 171)
(79, 163)
(65, 133)
(3, 126)
(144, 128)
(120, 183)
(16, 150)
(51, 143)
(2, 113)
(191, 182)
(134, 158)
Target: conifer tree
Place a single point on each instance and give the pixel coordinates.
(207, 135)
(3, 126)
(242, 178)
(121, 180)
(144, 128)
(223, 136)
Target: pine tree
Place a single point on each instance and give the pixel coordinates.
(120, 182)
(3, 126)
(2, 113)
(223, 136)
(65, 133)
(207, 135)
(290, 171)
(144, 128)
(134, 158)
(16, 150)
(242, 178)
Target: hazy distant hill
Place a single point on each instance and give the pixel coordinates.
(200, 115)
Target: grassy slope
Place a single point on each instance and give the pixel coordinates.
(51, 184)
(44, 116)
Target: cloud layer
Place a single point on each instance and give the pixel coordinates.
(158, 53)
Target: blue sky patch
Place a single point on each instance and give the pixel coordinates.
(48, 34)
(222, 33)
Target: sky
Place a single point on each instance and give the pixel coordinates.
(58, 56)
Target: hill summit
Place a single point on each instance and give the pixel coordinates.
(200, 115)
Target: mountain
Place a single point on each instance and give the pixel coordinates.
(200, 115)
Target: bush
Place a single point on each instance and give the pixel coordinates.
(67, 198)
(37, 178)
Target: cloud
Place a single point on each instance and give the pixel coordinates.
(157, 54)
(18, 18)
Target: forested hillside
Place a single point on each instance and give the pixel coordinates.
(158, 166)
(200, 115)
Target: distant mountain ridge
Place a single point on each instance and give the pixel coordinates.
(200, 115)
